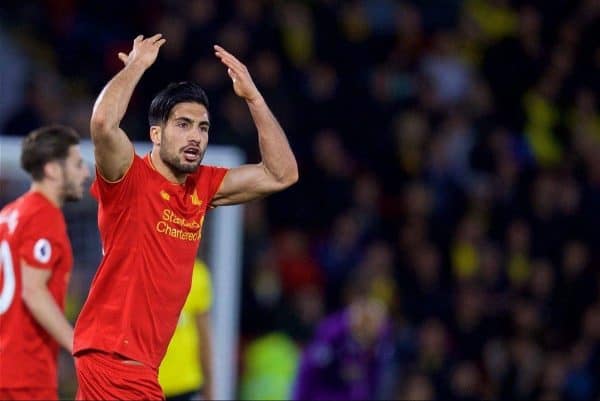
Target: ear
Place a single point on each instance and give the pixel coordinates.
(53, 170)
(156, 134)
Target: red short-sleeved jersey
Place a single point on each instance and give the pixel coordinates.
(150, 230)
(33, 230)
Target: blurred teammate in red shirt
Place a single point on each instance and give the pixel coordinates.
(150, 216)
(35, 266)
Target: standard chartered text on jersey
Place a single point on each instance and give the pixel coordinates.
(169, 216)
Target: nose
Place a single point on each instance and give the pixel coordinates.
(195, 135)
(196, 140)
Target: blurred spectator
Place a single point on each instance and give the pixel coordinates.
(465, 382)
(263, 294)
(339, 254)
(296, 31)
(14, 66)
(416, 387)
(433, 356)
(297, 267)
(269, 367)
(331, 177)
(349, 351)
(448, 74)
(427, 297)
(40, 107)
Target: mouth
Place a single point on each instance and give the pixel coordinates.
(191, 153)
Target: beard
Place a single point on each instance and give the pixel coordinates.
(72, 198)
(71, 191)
(176, 165)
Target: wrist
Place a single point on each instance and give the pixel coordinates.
(137, 65)
(255, 100)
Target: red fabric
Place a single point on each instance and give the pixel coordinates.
(103, 376)
(44, 394)
(150, 231)
(34, 230)
(300, 273)
(297, 268)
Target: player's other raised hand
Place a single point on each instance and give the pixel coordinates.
(144, 51)
(242, 81)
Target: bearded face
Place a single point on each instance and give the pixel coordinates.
(184, 138)
(75, 173)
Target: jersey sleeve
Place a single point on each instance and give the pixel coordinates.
(42, 243)
(122, 191)
(201, 291)
(216, 175)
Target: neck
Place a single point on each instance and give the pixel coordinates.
(49, 192)
(164, 169)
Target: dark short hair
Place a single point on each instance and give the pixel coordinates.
(46, 144)
(175, 93)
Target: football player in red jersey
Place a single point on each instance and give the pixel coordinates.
(35, 266)
(150, 214)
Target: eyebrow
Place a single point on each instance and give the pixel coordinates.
(191, 121)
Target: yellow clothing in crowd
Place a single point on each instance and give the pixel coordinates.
(180, 370)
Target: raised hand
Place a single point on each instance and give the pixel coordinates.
(144, 51)
(242, 81)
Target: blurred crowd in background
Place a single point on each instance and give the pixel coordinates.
(449, 157)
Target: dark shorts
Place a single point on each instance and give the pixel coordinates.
(189, 396)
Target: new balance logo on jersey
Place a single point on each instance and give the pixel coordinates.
(165, 195)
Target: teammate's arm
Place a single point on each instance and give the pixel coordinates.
(112, 149)
(278, 168)
(43, 307)
(204, 324)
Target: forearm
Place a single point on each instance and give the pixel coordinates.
(111, 105)
(48, 314)
(206, 364)
(277, 156)
(208, 386)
